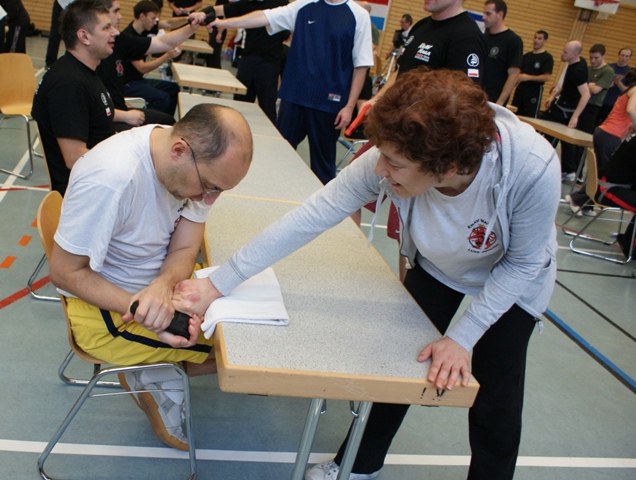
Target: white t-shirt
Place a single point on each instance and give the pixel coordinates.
(452, 248)
(118, 214)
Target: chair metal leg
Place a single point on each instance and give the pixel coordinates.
(351, 149)
(87, 392)
(28, 132)
(78, 382)
(580, 235)
(32, 279)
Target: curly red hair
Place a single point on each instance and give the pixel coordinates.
(439, 119)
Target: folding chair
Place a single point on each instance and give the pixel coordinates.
(352, 145)
(17, 87)
(590, 189)
(42, 262)
(48, 218)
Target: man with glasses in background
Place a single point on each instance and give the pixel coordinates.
(132, 224)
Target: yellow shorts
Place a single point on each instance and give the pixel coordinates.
(103, 335)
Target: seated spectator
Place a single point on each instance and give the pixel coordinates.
(72, 106)
(159, 94)
(620, 123)
(131, 228)
(112, 69)
(616, 187)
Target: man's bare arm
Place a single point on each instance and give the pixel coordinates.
(525, 77)
(511, 81)
(357, 82)
(143, 66)
(72, 149)
(585, 97)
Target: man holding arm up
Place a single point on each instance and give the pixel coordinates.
(324, 73)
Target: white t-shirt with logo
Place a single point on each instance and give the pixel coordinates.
(451, 247)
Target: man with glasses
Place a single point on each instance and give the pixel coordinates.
(131, 227)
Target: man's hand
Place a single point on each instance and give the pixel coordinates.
(194, 296)
(344, 117)
(172, 53)
(449, 360)
(574, 120)
(548, 102)
(176, 341)
(197, 18)
(134, 117)
(155, 310)
(219, 23)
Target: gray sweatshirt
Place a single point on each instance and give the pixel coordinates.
(521, 191)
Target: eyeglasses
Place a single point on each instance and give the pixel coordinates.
(213, 191)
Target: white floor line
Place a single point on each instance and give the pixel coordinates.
(20, 446)
(8, 183)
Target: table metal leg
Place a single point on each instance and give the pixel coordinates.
(304, 449)
(357, 429)
(579, 171)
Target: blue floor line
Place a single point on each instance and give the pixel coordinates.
(606, 362)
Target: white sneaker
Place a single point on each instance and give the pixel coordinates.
(589, 211)
(166, 416)
(329, 471)
(568, 177)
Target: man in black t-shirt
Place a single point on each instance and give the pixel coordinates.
(505, 52)
(259, 66)
(536, 69)
(449, 38)
(72, 106)
(573, 96)
(112, 69)
(159, 94)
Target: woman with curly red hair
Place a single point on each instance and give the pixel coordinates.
(477, 192)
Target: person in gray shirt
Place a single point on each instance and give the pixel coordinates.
(477, 192)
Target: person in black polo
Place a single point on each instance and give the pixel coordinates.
(72, 106)
(127, 47)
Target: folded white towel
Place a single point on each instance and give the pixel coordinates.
(257, 300)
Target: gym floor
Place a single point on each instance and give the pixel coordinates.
(579, 421)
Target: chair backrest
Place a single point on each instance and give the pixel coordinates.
(48, 218)
(592, 174)
(17, 84)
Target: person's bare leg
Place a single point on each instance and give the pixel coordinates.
(208, 367)
(402, 267)
(357, 217)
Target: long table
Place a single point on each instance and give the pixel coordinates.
(354, 331)
(560, 131)
(195, 76)
(257, 120)
(565, 134)
(197, 46)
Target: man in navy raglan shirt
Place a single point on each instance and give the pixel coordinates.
(324, 73)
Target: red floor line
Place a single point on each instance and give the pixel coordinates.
(23, 293)
(22, 189)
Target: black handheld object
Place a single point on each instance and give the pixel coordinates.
(209, 17)
(178, 326)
